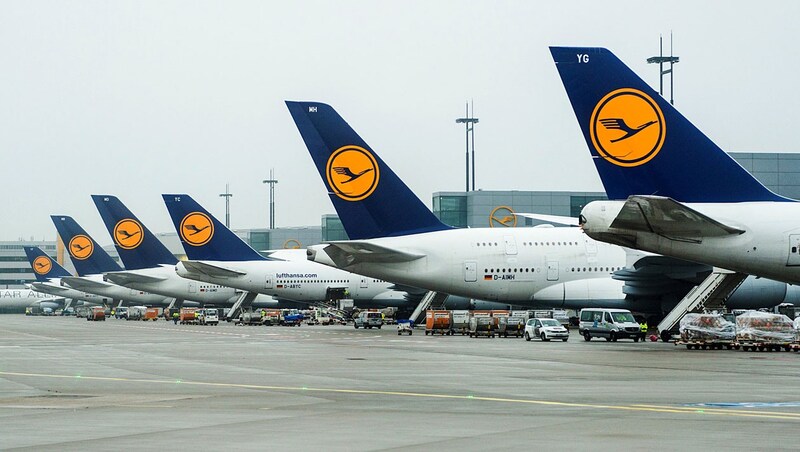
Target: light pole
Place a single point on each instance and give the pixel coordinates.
(227, 195)
(469, 122)
(271, 181)
(661, 59)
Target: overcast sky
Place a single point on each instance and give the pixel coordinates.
(142, 98)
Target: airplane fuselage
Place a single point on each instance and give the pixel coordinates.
(299, 281)
(769, 246)
(499, 264)
(96, 285)
(168, 284)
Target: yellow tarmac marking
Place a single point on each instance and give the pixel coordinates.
(646, 408)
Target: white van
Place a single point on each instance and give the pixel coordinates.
(612, 324)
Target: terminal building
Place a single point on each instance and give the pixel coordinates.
(483, 208)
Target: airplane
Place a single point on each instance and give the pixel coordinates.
(224, 258)
(48, 274)
(91, 262)
(397, 238)
(15, 301)
(671, 190)
(151, 267)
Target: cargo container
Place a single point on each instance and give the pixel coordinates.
(460, 322)
(97, 313)
(151, 314)
(438, 321)
(482, 325)
(188, 316)
(136, 312)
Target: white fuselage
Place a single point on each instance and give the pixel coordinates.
(16, 299)
(54, 287)
(169, 284)
(298, 280)
(117, 292)
(499, 264)
(769, 247)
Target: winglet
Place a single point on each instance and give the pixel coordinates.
(87, 256)
(370, 199)
(44, 266)
(137, 246)
(203, 236)
(642, 145)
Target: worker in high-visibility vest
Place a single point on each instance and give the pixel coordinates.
(643, 327)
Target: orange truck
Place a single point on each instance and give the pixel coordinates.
(188, 316)
(438, 321)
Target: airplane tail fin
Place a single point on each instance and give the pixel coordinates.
(642, 145)
(370, 199)
(137, 246)
(87, 256)
(202, 235)
(44, 266)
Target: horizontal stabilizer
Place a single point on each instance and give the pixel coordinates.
(668, 218)
(555, 219)
(354, 252)
(130, 277)
(211, 270)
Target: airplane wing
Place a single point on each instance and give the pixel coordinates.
(126, 277)
(668, 218)
(351, 252)
(659, 277)
(84, 284)
(212, 270)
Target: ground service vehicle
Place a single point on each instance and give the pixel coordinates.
(545, 329)
(97, 313)
(405, 326)
(208, 316)
(121, 313)
(291, 317)
(438, 321)
(368, 319)
(611, 324)
(136, 312)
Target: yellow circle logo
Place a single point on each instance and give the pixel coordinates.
(502, 216)
(42, 265)
(352, 173)
(197, 229)
(81, 247)
(128, 234)
(292, 244)
(627, 127)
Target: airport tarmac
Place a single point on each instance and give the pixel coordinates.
(69, 384)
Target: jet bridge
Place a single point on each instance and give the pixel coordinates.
(709, 295)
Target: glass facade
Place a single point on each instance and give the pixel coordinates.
(332, 228)
(451, 209)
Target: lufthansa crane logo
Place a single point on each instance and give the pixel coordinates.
(352, 173)
(128, 234)
(292, 244)
(81, 247)
(627, 127)
(42, 265)
(502, 216)
(197, 229)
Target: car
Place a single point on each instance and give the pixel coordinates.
(545, 329)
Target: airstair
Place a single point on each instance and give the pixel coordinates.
(431, 300)
(332, 308)
(709, 295)
(244, 301)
